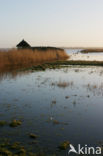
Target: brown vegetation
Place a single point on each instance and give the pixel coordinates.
(26, 58)
(92, 50)
(62, 84)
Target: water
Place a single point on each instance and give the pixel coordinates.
(76, 51)
(72, 96)
(75, 54)
(73, 51)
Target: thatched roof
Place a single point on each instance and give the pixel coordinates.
(23, 44)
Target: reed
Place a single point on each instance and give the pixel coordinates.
(26, 58)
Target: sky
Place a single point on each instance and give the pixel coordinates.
(61, 23)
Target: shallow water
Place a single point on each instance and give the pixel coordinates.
(75, 54)
(72, 96)
(72, 51)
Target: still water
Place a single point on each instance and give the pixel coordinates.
(56, 105)
(75, 54)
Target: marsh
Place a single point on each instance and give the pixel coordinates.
(55, 105)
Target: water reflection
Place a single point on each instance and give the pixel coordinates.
(12, 74)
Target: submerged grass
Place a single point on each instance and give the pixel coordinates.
(16, 149)
(95, 89)
(64, 84)
(15, 123)
(64, 145)
(3, 123)
(8, 148)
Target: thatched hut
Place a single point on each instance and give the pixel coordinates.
(23, 45)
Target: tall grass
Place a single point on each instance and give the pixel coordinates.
(26, 58)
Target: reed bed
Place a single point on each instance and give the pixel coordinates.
(92, 50)
(26, 58)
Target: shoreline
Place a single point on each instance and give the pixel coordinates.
(62, 64)
(53, 65)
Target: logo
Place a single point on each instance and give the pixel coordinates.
(72, 149)
(85, 150)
